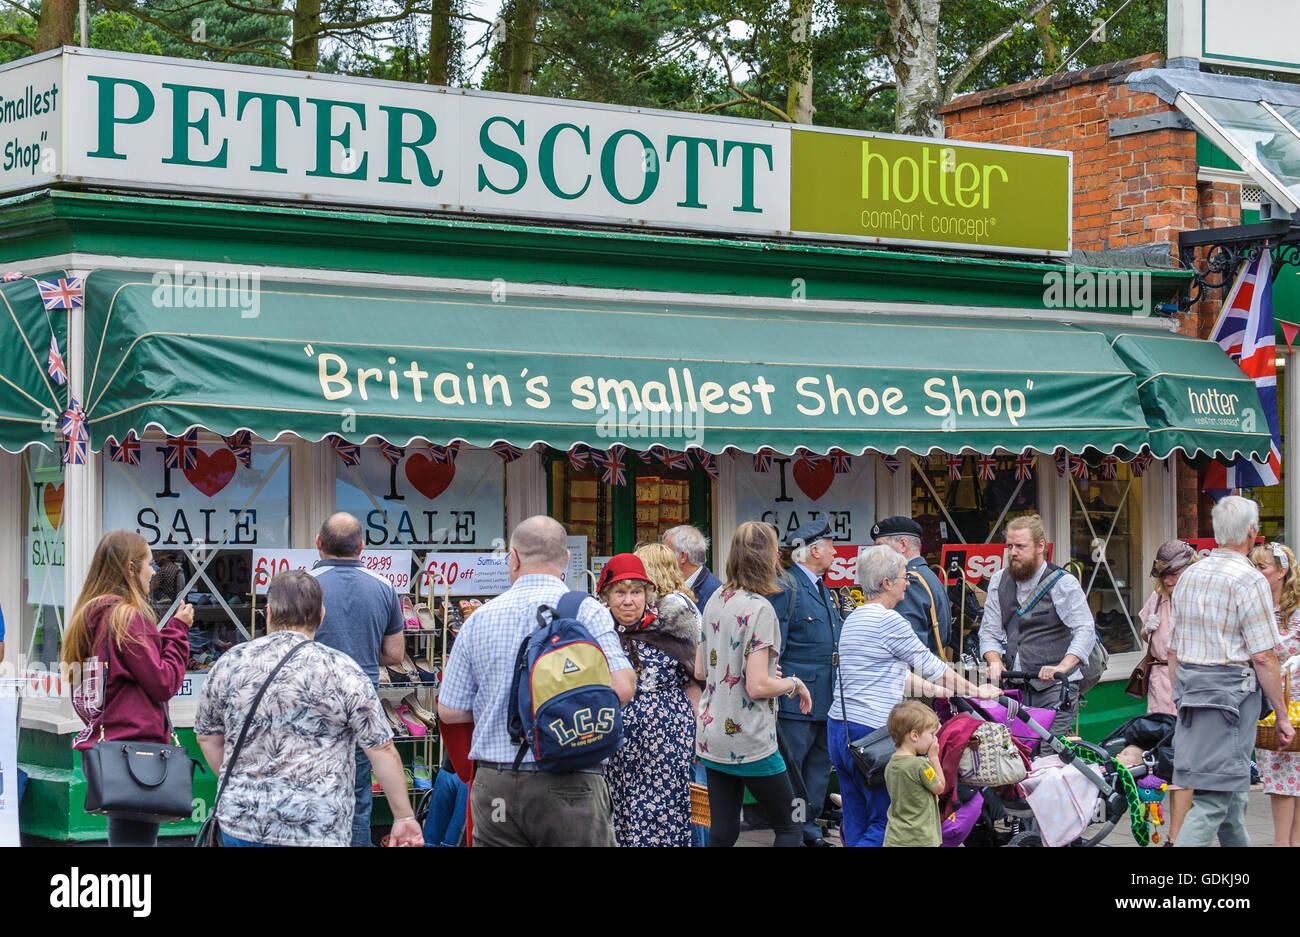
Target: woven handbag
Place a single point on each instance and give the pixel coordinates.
(700, 815)
(991, 758)
(1266, 731)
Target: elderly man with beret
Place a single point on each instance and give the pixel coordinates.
(925, 604)
(810, 627)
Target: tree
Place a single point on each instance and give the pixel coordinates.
(56, 24)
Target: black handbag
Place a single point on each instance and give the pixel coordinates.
(209, 834)
(150, 782)
(872, 752)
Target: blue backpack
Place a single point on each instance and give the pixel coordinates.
(563, 704)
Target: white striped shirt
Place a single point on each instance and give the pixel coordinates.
(877, 649)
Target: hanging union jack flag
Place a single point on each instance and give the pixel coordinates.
(955, 463)
(444, 455)
(763, 459)
(709, 462)
(182, 452)
(648, 455)
(241, 445)
(1062, 462)
(507, 452)
(988, 466)
(578, 458)
(393, 454)
(675, 459)
(75, 433)
(10, 277)
(1245, 332)
(1141, 464)
(841, 461)
(61, 294)
(610, 462)
(1109, 468)
(1079, 467)
(1024, 467)
(128, 452)
(892, 462)
(349, 452)
(54, 363)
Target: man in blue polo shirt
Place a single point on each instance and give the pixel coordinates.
(363, 619)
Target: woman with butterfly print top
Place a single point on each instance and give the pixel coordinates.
(735, 733)
(650, 776)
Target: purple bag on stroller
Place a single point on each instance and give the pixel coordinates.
(957, 825)
(1019, 730)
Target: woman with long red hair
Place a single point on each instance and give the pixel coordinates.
(125, 670)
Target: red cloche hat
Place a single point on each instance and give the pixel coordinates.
(620, 567)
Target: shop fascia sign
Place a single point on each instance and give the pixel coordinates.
(1256, 34)
(90, 117)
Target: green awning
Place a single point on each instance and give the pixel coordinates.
(496, 366)
(30, 402)
(1194, 397)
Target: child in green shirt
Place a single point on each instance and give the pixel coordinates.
(913, 777)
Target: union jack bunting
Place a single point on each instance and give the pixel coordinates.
(648, 455)
(1062, 462)
(1109, 465)
(128, 453)
(578, 457)
(610, 463)
(763, 460)
(841, 461)
(708, 461)
(182, 452)
(507, 452)
(1079, 467)
(1024, 467)
(954, 467)
(241, 445)
(1141, 464)
(892, 462)
(392, 453)
(988, 465)
(444, 455)
(75, 433)
(675, 459)
(61, 294)
(349, 452)
(54, 363)
(10, 277)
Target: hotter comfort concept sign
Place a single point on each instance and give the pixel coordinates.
(83, 116)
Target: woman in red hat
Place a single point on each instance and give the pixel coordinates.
(649, 778)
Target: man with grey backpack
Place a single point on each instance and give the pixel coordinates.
(1037, 619)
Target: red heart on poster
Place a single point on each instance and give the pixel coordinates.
(213, 472)
(814, 476)
(52, 498)
(430, 478)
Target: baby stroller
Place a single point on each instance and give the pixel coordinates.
(1005, 817)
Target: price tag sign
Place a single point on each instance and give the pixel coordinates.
(466, 573)
(574, 576)
(393, 565)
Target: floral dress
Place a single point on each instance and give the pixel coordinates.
(1280, 771)
(649, 779)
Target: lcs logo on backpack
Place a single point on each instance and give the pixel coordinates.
(584, 730)
(562, 701)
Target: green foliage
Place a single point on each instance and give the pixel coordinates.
(122, 32)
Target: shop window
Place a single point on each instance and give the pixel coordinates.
(658, 494)
(37, 635)
(1106, 546)
(204, 506)
(969, 498)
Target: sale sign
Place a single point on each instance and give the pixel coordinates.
(977, 561)
(393, 565)
(465, 574)
(844, 571)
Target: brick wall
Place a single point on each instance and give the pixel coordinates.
(1136, 190)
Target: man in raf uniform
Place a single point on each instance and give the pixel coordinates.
(925, 604)
(810, 629)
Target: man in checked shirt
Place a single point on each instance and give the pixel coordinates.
(526, 807)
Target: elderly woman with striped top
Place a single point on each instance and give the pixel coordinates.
(881, 662)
